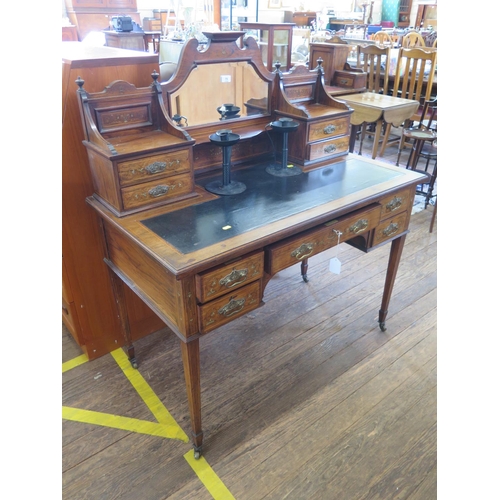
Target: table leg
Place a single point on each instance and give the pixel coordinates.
(392, 269)
(303, 269)
(376, 139)
(191, 362)
(120, 298)
(352, 138)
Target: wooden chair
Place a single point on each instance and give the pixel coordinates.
(431, 39)
(413, 39)
(382, 38)
(421, 135)
(424, 145)
(373, 59)
(413, 79)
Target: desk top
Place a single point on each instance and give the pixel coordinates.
(271, 209)
(267, 199)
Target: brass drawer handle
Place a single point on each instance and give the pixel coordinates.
(343, 81)
(395, 203)
(232, 307)
(329, 129)
(330, 148)
(235, 277)
(303, 251)
(359, 226)
(157, 166)
(158, 191)
(391, 229)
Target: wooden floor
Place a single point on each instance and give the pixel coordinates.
(304, 398)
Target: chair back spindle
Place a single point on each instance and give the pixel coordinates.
(415, 71)
(374, 61)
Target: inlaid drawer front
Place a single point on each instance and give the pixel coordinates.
(391, 227)
(396, 203)
(328, 128)
(343, 81)
(230, 306)
(309, 243)
(225, 278)
(322, 149)
(360, 222)
(155, 191)
(152, 167)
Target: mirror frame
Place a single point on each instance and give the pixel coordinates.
(222, 47)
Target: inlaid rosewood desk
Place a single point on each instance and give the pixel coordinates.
(370, 107)
(206, 260)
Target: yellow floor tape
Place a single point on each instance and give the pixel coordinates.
(72, 363)
(208, 477)
(166, 427)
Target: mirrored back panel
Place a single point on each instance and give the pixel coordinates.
(218, 92)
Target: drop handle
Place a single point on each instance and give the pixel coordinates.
(303, 251)
(232, 307)
(235, 277)
(359, 226)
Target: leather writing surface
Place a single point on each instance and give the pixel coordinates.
(266, 199)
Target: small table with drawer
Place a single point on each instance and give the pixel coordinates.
(205, 261)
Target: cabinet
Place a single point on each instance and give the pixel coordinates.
(274, 40)
(233, 12)
(303, 18)
(404, 11)
(95, 15)
(426, 16)
(88, 307)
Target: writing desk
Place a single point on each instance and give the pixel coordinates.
(206, 261)
(370, 107)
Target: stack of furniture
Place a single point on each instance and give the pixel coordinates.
(89, 309)
(340, 78)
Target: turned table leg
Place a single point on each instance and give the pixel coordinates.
(392, 269)
(304, 265)
(191, 361)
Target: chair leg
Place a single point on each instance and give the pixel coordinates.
(362, 138)
(433, 218)
(400, 150)
(430, 188)
(415, 154)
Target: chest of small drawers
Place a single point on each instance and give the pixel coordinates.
(320, 140)
(143, 181)
(229, 290)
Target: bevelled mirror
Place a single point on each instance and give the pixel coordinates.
(218, 83)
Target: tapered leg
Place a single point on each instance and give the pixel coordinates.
(392, 269)
(191, 361)
(119, 292)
